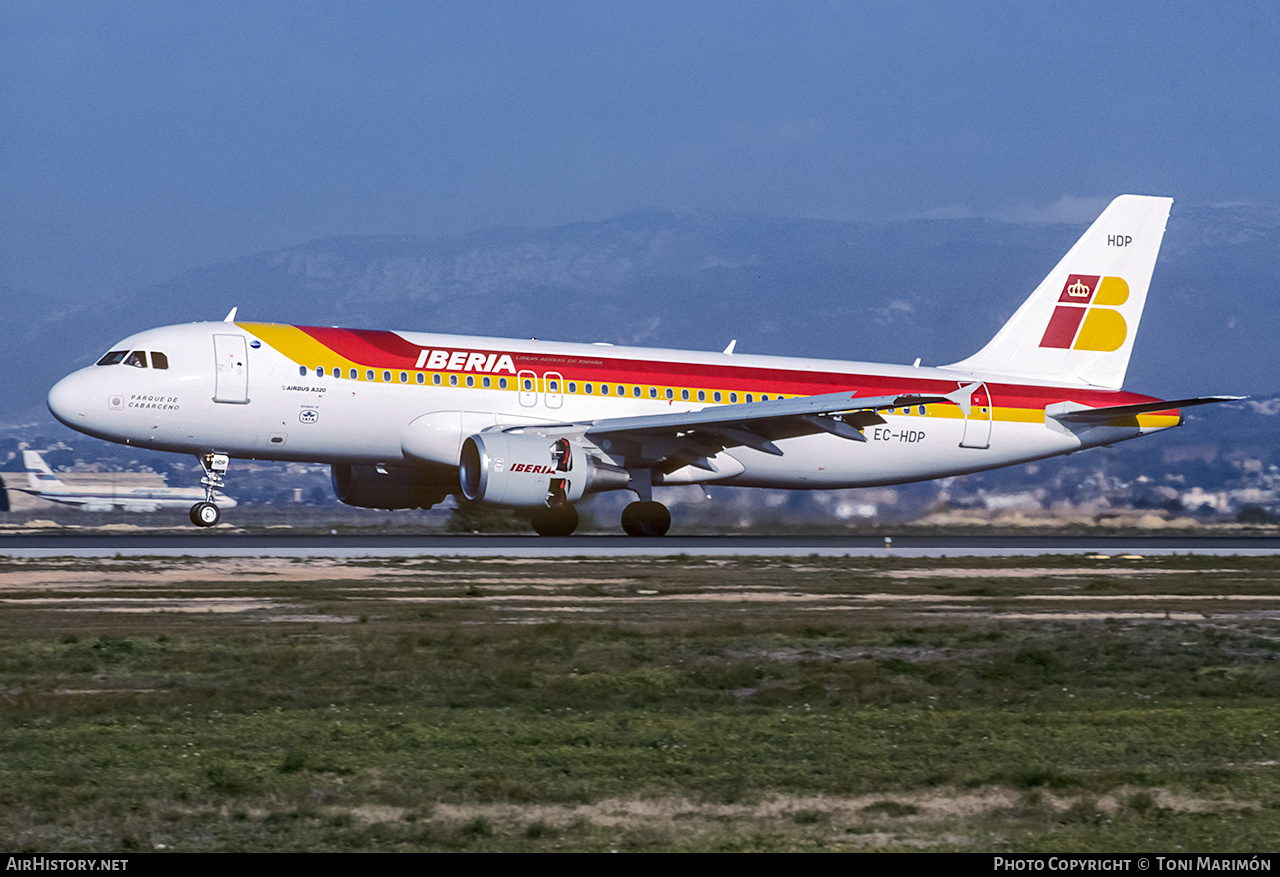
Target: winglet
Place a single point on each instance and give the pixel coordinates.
(963, 397)
(231, 317)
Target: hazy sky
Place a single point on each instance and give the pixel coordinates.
(140, 139)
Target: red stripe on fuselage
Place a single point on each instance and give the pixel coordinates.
(384, 349)
(373, 347)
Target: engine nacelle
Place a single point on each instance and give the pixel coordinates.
(532, 471)
(390, 487)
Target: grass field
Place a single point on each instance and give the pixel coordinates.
(1017, 704)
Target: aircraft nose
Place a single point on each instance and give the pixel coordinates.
(67, 401)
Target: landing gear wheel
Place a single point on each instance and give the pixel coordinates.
(646, 519)
(559, 521)
(205, 514)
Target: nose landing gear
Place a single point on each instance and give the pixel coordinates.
(207, 513)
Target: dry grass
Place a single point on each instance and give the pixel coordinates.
(671, 703)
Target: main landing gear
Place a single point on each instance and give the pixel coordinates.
(642, 518)
(207, 513)
(646, 519)
(559, 520)
(638, 519)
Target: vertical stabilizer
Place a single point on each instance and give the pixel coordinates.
(39, 476)
(1079, 325)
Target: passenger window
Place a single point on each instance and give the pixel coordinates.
(113, 357)
(684, 394)
(355, 375)
(368, 374)
(453, 380)
(573, 387)
(670, 393)
(159, 360)
(604, 389)
(716, 397)
(733, 397)
(471, 380)
(748, 397)
(302, 371)
(422, 379)
(702, 395)
(435, 379)
(137, 359)
(502, 383)
(386, 377)
(485, 382)
(320, 371)
(404, 378)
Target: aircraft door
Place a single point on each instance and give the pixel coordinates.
(528, 388)
(231, 369)
(554, 388)
(977, 426)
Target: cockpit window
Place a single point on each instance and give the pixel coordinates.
(113, 357)
(137, 359)
(159, 360)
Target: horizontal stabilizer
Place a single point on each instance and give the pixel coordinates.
(1102, 415)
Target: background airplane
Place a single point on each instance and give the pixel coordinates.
(105, 494)
(406, 419)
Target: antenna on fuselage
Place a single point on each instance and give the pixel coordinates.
(231, 317)
(728, 351)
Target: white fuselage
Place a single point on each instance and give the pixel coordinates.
(278, 392)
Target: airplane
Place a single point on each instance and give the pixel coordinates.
(407, 419)
(105, 495)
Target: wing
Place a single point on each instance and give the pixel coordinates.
(692, 438)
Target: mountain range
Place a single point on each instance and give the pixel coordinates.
(892, 291)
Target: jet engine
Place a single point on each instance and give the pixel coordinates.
(390, 487)
(532, 471)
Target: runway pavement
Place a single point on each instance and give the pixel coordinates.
(241, 544)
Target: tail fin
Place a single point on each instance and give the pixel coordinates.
(39, 475)
(1079, 324)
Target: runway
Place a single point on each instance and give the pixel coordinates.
(347, 545)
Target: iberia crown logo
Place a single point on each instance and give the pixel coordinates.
(1085, 318)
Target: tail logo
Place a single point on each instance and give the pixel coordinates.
(1086, 317)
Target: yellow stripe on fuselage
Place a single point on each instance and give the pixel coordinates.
(302, 348)
(295, 344)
